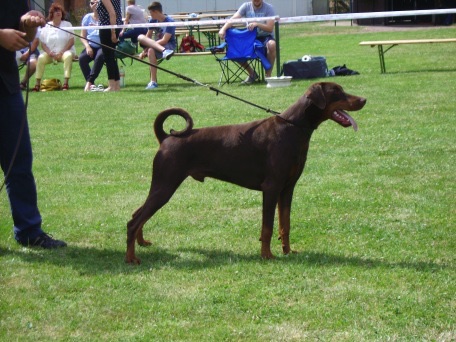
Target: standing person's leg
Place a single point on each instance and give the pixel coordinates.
(111, 64)
(20, 183)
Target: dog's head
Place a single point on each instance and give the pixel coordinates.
(333, 102)
(323, 101)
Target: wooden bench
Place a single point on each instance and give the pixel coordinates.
(210, 32)
(393, 43)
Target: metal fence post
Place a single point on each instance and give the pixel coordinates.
(277, 37)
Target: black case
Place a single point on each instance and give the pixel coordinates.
(314, 68)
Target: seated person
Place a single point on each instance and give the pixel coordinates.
(134, 15)
(57, 46)
(92, 51)
(265, 31)
(163, 46)
(28, 56)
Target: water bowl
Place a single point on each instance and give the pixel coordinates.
(282, 81)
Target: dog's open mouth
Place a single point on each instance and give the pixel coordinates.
(342, 118)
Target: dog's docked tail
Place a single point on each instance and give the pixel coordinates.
(161, 118)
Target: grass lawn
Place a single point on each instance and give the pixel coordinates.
(373, 214)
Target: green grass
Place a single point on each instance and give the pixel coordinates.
(373, 214)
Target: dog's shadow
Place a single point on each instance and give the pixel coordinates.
(92, 261)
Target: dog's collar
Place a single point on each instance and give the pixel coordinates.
(307, 130)
(286, 120)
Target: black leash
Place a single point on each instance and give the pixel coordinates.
(185, 78)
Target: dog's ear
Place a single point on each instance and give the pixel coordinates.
(316, 95)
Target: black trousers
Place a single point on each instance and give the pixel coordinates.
(109, 53)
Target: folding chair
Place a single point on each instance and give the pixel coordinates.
(242, 48)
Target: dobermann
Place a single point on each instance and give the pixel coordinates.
(266, 155)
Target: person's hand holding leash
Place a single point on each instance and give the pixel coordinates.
(33, 19)
(14, 40)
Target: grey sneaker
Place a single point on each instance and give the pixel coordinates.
(251, 79)
(167, 54)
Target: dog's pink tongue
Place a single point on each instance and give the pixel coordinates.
(345, 115)
(352, 121)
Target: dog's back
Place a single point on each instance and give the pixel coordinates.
(233, 153)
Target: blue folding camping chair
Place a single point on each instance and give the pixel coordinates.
(242, 49)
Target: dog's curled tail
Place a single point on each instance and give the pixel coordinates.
(161, 118)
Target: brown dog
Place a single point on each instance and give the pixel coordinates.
(266, 155)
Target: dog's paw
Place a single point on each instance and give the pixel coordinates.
(132, 260)
(267, 255)
(144, 243)
(287, 250)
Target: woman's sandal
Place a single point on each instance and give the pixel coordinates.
(96, 88)
(65, 87)
(35, 89)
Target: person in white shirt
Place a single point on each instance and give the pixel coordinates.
(57, 45)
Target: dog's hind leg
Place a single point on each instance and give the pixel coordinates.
(159, 195)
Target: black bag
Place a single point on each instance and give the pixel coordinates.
(343, 71)
(313, 68)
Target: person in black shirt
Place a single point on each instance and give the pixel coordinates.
(18, 28)
(109, 12)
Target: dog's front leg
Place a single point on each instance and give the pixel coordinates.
(269, 205)
(284, 218)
